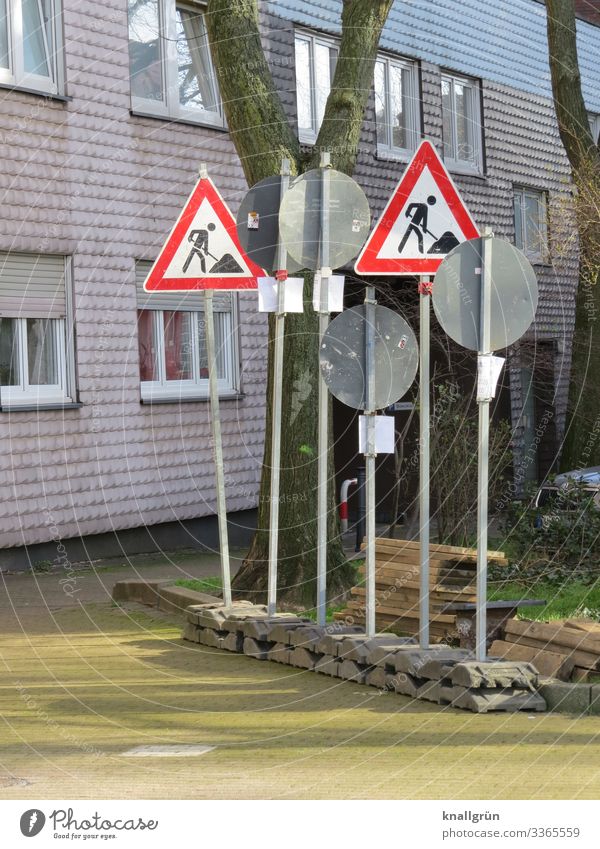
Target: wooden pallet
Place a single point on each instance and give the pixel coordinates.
(397, 586)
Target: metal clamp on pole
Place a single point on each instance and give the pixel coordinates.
(323, 425)
(370, 304)
(281, 276)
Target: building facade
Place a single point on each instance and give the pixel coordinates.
(107, 112)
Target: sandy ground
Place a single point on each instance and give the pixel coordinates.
(82, 682)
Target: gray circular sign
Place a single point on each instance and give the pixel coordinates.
(342, 357)
(258, 224)
(301, 215)
(457, 293)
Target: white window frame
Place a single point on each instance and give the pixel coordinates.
(465, 166)
(26, 394)
(15, 75)
(196, 387)
(170, 106)
(389, 150)
(312, 38)
(522, 192)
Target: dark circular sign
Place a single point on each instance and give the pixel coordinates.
(258, 224)
(457, 293)
(301, 219)
(342, 357)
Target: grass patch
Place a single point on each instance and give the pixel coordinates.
(564, 601)
(210, 585)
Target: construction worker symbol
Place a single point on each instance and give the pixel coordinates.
(418, 213)
(200, 251)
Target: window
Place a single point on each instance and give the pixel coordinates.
(461, 115)
(316, 58)
(531, 234)
(172, 342)
(171, 70)
(396, 106)
(35, 366)
(29, 44)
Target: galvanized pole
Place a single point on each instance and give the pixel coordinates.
(323, 426)
(276, 409)
(370, 303)
(424, 444)
(483, 457)
(217, 443)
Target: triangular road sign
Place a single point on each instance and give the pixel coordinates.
(424, 219)
(203, 250)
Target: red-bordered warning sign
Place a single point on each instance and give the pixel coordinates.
(203, 250)
(424, 219)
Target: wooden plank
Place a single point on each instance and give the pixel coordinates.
(394, 573)
(436, 550)
(394, 561)
(580, 658)
(412, 595)
(554, 633)
(382, 608)
(552, 664)
(588, 625)
(440, 568)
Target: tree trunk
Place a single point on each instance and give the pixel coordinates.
(581, 447)
(262, 137)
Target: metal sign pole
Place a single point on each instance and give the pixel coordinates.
(483, 457)
(424, 444)
(323, 447)
(218, 445)
(277, 406)
(370, 304)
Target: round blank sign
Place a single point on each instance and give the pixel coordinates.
(301, 218)
(258, 224)
(457, 293)
(342, 357)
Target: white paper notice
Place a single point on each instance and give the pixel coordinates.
(384, 434)
(292, 294)
(335, 293)
(488, 372)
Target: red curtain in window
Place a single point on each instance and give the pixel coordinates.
(146, 345)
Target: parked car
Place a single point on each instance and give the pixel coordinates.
(563, 495)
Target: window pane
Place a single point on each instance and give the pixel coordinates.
(197, 85)
(147, 345)
(463, 99)
(303, 86)
(4, 57)
(324, 62)
(35, 37)
(9, 353)
(518, 221)
(178, 345)
(447, 119)
(399, 91)
(533, 224)
(42, 360)
(380, 105)
(145, 50)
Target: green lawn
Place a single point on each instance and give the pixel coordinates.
(201, 585)
(563, 601)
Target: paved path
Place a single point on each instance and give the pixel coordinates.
(84, 682)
